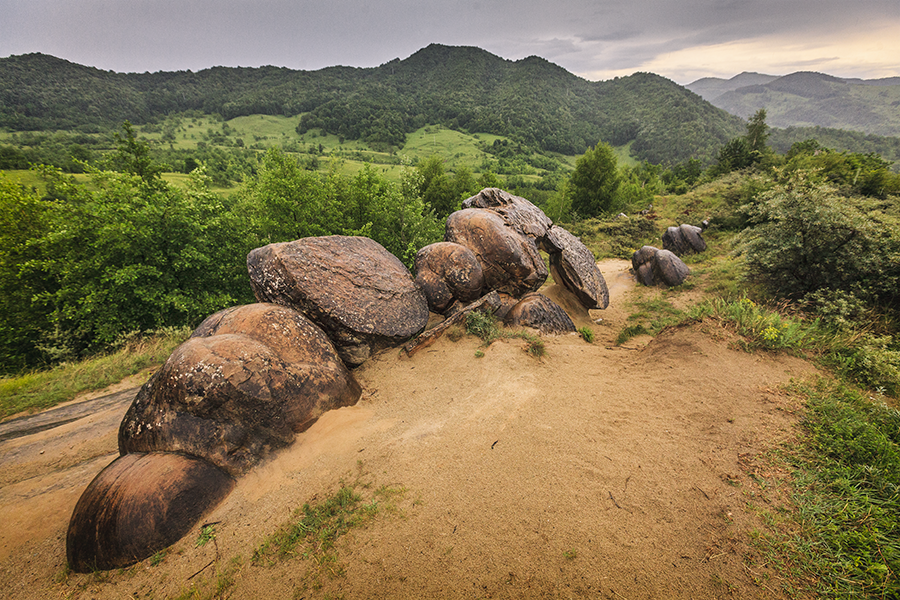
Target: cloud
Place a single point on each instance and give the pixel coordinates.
(592, 38)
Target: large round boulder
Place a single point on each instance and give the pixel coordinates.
(575, 268)
(360, 294)
(447, 273)
(247, 380)
(539, 312)
(138, 505)
(509, 260)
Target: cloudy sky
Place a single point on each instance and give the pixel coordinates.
(596, 39)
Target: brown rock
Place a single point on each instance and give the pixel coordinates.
(539, 312)
(138, 505)
(509, 260)
(231, 399)
(520, 214)
(448, 272)
(356, 291)
(576, 269)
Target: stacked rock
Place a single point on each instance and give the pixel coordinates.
(251, 377)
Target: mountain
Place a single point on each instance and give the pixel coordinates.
(807, 99)
(532, 101)
(710, 88)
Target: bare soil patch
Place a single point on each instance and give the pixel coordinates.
(596, 471)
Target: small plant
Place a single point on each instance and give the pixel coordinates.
(570, 554)
(483, 326)
(207, 533)
(587, 334)
(157, 558)
(534, 345)
(631, 331)
(479, 354)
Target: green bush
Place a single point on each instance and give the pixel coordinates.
(805, 237)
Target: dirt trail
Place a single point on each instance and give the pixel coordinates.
(597, 471)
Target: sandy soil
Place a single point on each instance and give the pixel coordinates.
(597, 472)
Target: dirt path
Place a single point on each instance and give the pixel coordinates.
(596, 472)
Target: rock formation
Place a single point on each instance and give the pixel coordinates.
(653, 266)
(243, 385)
(448, 273)
(360, 294)
(539, 312)
(684, 239)
(509, 260)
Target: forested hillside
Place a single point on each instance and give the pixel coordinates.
(531, 101)
(807, 99)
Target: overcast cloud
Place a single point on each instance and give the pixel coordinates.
(600, 39)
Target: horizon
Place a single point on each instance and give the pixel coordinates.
(597, 40)
(215, 66)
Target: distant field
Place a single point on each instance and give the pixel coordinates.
(261, 132)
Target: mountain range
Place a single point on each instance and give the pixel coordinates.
(808, 99)
(531, 101)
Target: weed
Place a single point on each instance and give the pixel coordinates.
(571, 554)
(483, 325)
(157, 558)
(479, 354)
(207, 534)
(630, 331)
(534, 345)
(587, 334)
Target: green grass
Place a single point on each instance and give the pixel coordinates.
(43, 389)
(486, 327)
(842, 538)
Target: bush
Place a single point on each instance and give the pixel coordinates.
(805, 237)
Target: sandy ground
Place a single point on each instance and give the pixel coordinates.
(596, 471)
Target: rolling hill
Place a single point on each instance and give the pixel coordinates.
(807, 99)
(532, 101)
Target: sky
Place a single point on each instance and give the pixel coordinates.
(683, 40)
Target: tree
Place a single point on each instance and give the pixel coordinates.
(757, 134)
(133, 156)
(594, 182)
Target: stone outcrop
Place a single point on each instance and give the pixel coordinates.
(684, 239)
(571, 263)
(510, 261)
(539, 312)
(448, 273)
(360, 294)
(520, 214)
(653, 266)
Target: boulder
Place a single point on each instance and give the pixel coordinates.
(669, 269)
(653, 266)
(447, 273)
(575, 268)
(520, 214)
(356, 291)
(138, 505)
(684, 239)
(539, 312)
(510, 261)
(248, 379)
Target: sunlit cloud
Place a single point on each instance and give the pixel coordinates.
(870, 54)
